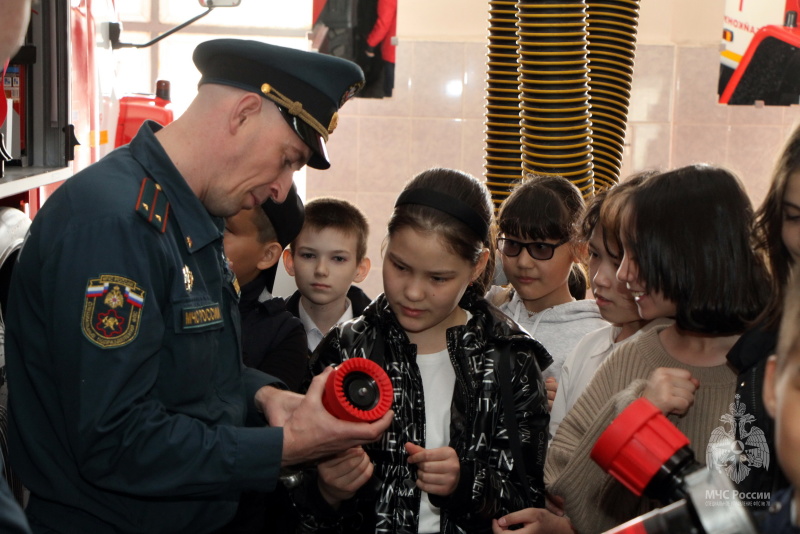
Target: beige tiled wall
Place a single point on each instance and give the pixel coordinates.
(435, 118)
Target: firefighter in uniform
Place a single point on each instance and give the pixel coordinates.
(130, 409)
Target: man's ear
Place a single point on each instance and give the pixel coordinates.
(245, 109)
(271, 253)
(288, 261)
(768, 396)
(363, 270)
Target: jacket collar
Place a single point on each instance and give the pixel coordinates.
(487, 322)
(484, 316)
(251, 291)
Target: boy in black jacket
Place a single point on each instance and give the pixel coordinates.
(273, 340)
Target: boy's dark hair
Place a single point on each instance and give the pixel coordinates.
(689, 233)
(541, 207)
(341, 215)
(266, 232)
(460, 238)
(767, 231)
(279, 222)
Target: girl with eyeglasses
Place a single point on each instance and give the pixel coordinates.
(539, 245)
(686, 254)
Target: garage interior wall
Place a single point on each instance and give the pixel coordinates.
(436, 115)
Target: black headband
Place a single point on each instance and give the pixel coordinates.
(449, 205)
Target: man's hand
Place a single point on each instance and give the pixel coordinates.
(310, 432)
(438, 470)
(277, 404)
(341, 476)
(671, 390)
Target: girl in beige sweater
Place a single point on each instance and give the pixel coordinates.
(687, 255)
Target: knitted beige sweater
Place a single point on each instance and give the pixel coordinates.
(595, 502)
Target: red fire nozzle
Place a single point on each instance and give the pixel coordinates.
(358, 390)
(651, 457)
(638, 445)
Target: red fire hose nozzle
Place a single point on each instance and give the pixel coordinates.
(651, 457)
(358, 390)
(637, 444)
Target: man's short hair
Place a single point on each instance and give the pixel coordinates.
(341, 215)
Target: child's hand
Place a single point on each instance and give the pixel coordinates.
(438, 470)
(554, 504)
(341, 476)
(533, 521)
(671, 390)
(551, 386)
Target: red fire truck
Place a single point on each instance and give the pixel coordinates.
(760, 52)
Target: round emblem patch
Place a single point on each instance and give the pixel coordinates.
(112, 310)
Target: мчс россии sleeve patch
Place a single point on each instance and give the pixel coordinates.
(112, 310)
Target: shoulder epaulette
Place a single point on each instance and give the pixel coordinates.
(152, 204)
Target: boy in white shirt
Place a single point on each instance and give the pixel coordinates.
(326, 258)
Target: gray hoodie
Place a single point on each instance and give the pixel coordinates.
(559, 328)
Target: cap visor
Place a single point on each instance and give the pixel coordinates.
(319, 153)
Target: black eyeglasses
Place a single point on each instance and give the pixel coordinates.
(537, 249)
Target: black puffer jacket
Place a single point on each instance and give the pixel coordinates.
(487, 488)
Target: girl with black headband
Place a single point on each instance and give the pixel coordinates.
(469, 435)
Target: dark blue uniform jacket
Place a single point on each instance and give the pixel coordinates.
(128, 397)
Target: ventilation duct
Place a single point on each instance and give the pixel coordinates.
(559, 79)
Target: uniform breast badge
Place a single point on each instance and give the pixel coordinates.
(188, 279)
(112, 311)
